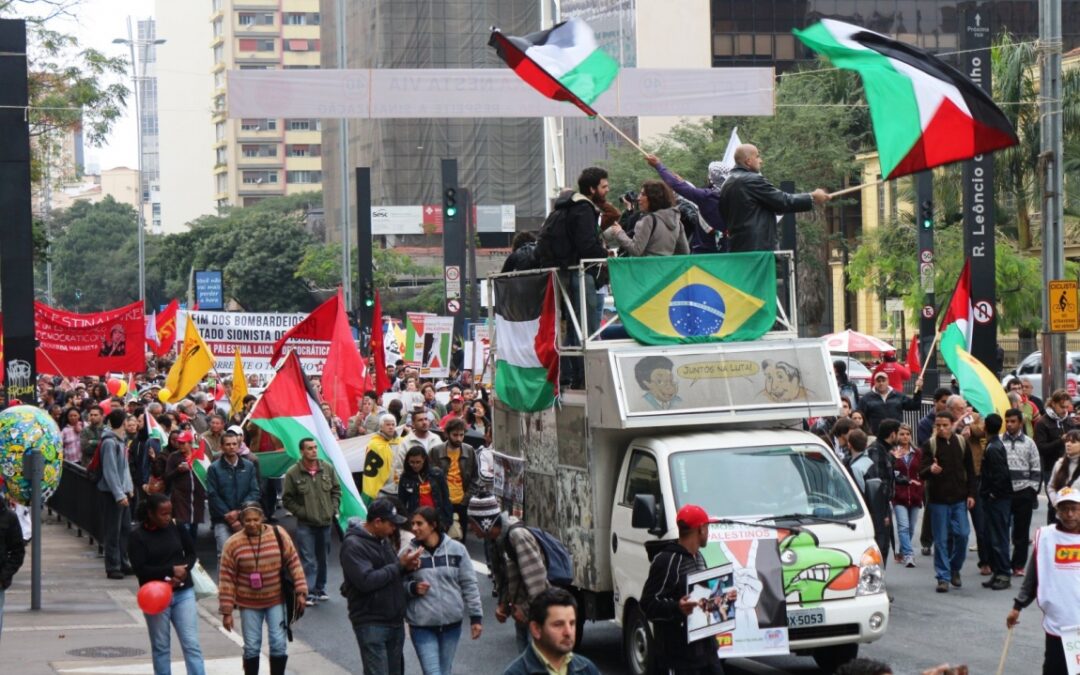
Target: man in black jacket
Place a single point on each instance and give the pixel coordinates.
(749, 204)
(373, 587)
(880, 452)
(1050, 433)
(667, 604)
(884, 402)
(949, 471)
(12, 551)
(995, 489)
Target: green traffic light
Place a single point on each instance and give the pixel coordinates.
(369, 302)
(451, 211)
(927, 224)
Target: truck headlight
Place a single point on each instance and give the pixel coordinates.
(871, 573)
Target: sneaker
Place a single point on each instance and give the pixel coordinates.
(926, 550)
(955, 581)
(115, 574)
(942, 587)
(321, 596)
(1018, 572)
(310, 602)
(909, 561)
(989, 582)
(1000, 584)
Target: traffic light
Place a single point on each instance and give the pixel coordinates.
(369, 294)
(926, 215)
(450, 206)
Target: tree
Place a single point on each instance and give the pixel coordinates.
(93, 264)
(320, 267)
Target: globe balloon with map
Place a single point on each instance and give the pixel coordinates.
(23, 429)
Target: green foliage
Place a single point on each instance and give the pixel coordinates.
(93, 265)
(321, 267)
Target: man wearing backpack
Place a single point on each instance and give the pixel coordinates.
(115, 483)
(517, 563)
(571, 234)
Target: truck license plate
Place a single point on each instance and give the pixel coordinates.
(801, 618)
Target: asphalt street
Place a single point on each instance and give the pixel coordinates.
(966, 625)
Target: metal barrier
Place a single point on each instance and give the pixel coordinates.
(78, 501)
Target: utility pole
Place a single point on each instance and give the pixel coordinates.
(1050, 159)
(343, 150)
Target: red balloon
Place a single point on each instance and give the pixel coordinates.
(154, 596)
(113, 385)
(106, 406)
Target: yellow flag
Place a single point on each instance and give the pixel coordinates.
(239, 385)
(193, 361)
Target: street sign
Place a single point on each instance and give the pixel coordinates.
(453, 306)
(928, 311)
(1063, 304)
(926, 255)
(984, 311)
(894, 304)
(452, 275)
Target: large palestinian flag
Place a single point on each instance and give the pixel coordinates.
(526, 342)
(563, 63)
(289, 411)
(925, 112)
(977, 384)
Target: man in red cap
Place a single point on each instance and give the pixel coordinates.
(666, 603)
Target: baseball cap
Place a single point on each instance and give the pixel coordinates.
(880, 376)
(459, 397)
(185, 436)
(1068, 494)
(693, 515)
(384, 509)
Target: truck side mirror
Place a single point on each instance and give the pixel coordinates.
(646, 515)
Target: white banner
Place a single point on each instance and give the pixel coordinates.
(397, 219)
(476, 354)
(404, 93)
(254, 334)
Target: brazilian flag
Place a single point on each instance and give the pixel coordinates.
(722, 297)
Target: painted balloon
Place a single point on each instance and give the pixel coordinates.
(24, 429)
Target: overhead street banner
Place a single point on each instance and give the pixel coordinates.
(406, 93)
(254, 334)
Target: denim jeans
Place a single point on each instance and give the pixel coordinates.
(183, 614)
(905, 526)
(313, 542)
(252, 622)
(117, 525)
(951, 530)
(1023, 503)
(996, 520)
(381, 648)
(222, 532)
(978, 524)
(435, 647)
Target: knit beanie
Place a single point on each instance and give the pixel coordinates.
(484, 511)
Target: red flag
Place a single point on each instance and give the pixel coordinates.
(165, 324)
(343, 374)
(913, 355)
(378, 353)
(319, 325)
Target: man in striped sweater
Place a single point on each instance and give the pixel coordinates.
(666, 603)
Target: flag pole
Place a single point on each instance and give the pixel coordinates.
(854, 188)
(937, 329)
(620, 132)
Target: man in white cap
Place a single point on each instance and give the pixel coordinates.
(1053, 579)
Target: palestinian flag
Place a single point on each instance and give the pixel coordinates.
(155, 433)
(563, 63)
(200, 459)
(925, 112)
(289, 411)
(527, 355)
(977, 384)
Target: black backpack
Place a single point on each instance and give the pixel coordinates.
(693, 225)
(553, 246)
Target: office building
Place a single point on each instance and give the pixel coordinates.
(258, 158)
(147, 91)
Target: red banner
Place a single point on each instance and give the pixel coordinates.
(72, 345)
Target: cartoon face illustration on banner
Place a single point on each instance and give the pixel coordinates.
(809, 569)
(656, 376)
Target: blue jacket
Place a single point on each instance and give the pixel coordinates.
(229, 487)
(530, 664)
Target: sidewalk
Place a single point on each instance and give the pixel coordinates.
(90, 624)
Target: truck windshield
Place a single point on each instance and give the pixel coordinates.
(744, 482)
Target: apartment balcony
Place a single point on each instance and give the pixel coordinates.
(221, 167)
(312, 58)
(242, 5)
(255, 29)
(300, 5)
(301, 32)
(218, 40)
(297, 188)
(303, 137)
(259, 162)
(303, 163)
(261, 189)
(246, 136)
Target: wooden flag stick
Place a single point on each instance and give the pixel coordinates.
(1005, 652)
(929, 354)
(620, 132)
(855, 188)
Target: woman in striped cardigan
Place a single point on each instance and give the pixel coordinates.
(251, 566)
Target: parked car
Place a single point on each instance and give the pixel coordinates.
(857, 373)
(1031, 368)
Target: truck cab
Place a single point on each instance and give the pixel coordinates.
(718, 425)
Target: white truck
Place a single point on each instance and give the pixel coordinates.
(716, 425)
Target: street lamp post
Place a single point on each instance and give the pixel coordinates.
(135, 78)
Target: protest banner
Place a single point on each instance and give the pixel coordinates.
(253, 335)
(427, 343)
(72, 344)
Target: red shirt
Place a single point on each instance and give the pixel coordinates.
(425, 494)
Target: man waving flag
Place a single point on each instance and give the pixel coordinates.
(925, 112)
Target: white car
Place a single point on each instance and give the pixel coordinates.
(1031, 368)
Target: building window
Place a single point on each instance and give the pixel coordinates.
(219, 54)
(258, 125)
(304, 125)
(303, 150)
(307, 177)
(218, 29)
(266, 19)
(222, 156)
(219, 80)
(246, 19)
(302, 18)
(219, 131)
(259, 177)
(257, 44)
(260, 150)
(222, 182)
(302, 45)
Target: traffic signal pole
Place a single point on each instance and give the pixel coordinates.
(1049, 171)
(455, 204)
(928, 311)
(365, 277)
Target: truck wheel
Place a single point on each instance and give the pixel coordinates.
(639, 650)
(831, 658)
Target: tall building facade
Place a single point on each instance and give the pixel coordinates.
(147, 91)
(500, 160)
(185, 134)
(259, 158)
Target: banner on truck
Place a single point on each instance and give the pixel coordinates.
(253, 334)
